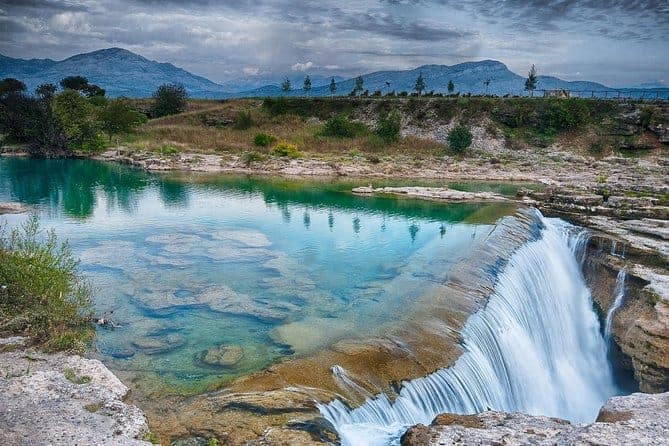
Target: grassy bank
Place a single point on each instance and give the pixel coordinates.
(42, 294)
(580, 125)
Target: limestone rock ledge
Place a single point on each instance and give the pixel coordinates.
(60, 399)
(638, 418)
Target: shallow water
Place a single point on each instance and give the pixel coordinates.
(268, 269)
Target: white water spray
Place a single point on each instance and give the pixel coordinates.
(535, 348)
(619, 298)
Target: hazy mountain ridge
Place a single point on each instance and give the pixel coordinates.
(123, 73)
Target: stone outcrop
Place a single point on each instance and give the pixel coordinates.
(634, 419)
(12, 208)
(431, 193)
(60, 399)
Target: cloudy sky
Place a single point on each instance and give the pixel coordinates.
(611, 41)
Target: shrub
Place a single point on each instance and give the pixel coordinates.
(169, 99)
(388, 127)
(287, 149)
(42, 293)
(168, 150)
(647, 116)
(249, 158)
(243, 120)
(459, 138)
(342, 127)
(263, 140)
(565, 114)
(77, 119)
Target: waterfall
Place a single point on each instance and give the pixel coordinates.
(535, 348)
(619, 297)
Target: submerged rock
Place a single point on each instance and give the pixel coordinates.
(151, 345)
(223, 355)
(634, 419)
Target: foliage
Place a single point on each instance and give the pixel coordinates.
(459, 138)
(359, 82)
(251, 157)
(388, 127)
(263, 140)
(342, 127)
(118, 116)
(451, 87)
(93, 91)
(46, 91)
(77, 83)
(565, 115)
(286, 149)
(169, 99)
(10, 85)
(168, 150)
(647, 116)
(420, 84)
(307, 84)
(285, 85)
(43, 294)
(531, 81)
(333, 87)
(243, 120)
(77, 119)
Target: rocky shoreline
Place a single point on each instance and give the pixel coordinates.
(61, 399)
(633, 419)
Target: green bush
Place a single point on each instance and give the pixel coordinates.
(565, 114)
(459, 138)
(342, 127)
(243, 120)
(168, 150)
(388, 127)
(95, 144)
(263, 140)
(647, 116)
(249, 158)
(42, 294)
(287, 149)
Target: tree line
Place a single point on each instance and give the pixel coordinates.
(79, 117)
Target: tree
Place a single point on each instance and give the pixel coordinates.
(118, 116)
(359, 81)
(169, 99)
(285, 85)
(531, 81)
(77, 118)
(46, 91)
(307, 84)
(333, 87)
(10, 85)
(389, 127)
(92, 91)
(420, 84)
(459, 138)
(486, 83)
(451, 87)
(78, 83)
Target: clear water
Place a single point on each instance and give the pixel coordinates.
(272, 269)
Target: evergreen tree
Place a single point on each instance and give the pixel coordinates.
(285, 85)
(531, 81)
(359, 81)
(333, 87)
(307, 85)
(451, 87)
(420, 84)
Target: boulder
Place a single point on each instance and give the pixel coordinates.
(223, 355)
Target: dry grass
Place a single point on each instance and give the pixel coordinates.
(209, 128)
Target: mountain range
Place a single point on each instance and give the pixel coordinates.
(123, 73)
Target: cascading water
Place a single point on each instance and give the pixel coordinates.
(619, 297)
(535, 348)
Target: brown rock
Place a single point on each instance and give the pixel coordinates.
(223, 355)
(447, 419)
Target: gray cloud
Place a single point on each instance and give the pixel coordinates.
(223, 40)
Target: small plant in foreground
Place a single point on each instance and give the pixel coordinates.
(168, 150)
(342, 127)
(42, 294)
(459, 138)
(263, 140)
(249, 158)
(389, 126)
(72, 377)
(243, 120)
(286, 149)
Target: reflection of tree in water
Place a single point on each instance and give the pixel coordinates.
(174, 193)
(306, 219)
(330, 220)
(356, 224)
(442, 230)
(413, 230)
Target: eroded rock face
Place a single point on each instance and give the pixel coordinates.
(634, 419)
(63, 400)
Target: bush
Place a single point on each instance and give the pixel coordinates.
(169, 99)
(459, 138)
(263, 140)
(287, 149)
(389, 126)
(42, 294)
(647, 116)
(168, 150)
(342, 127)
(243, 120)
(249, 158)
(565, 114)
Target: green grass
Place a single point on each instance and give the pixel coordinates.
(42, 294)
(72, 377)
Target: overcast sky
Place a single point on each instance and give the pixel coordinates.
(611, 41)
